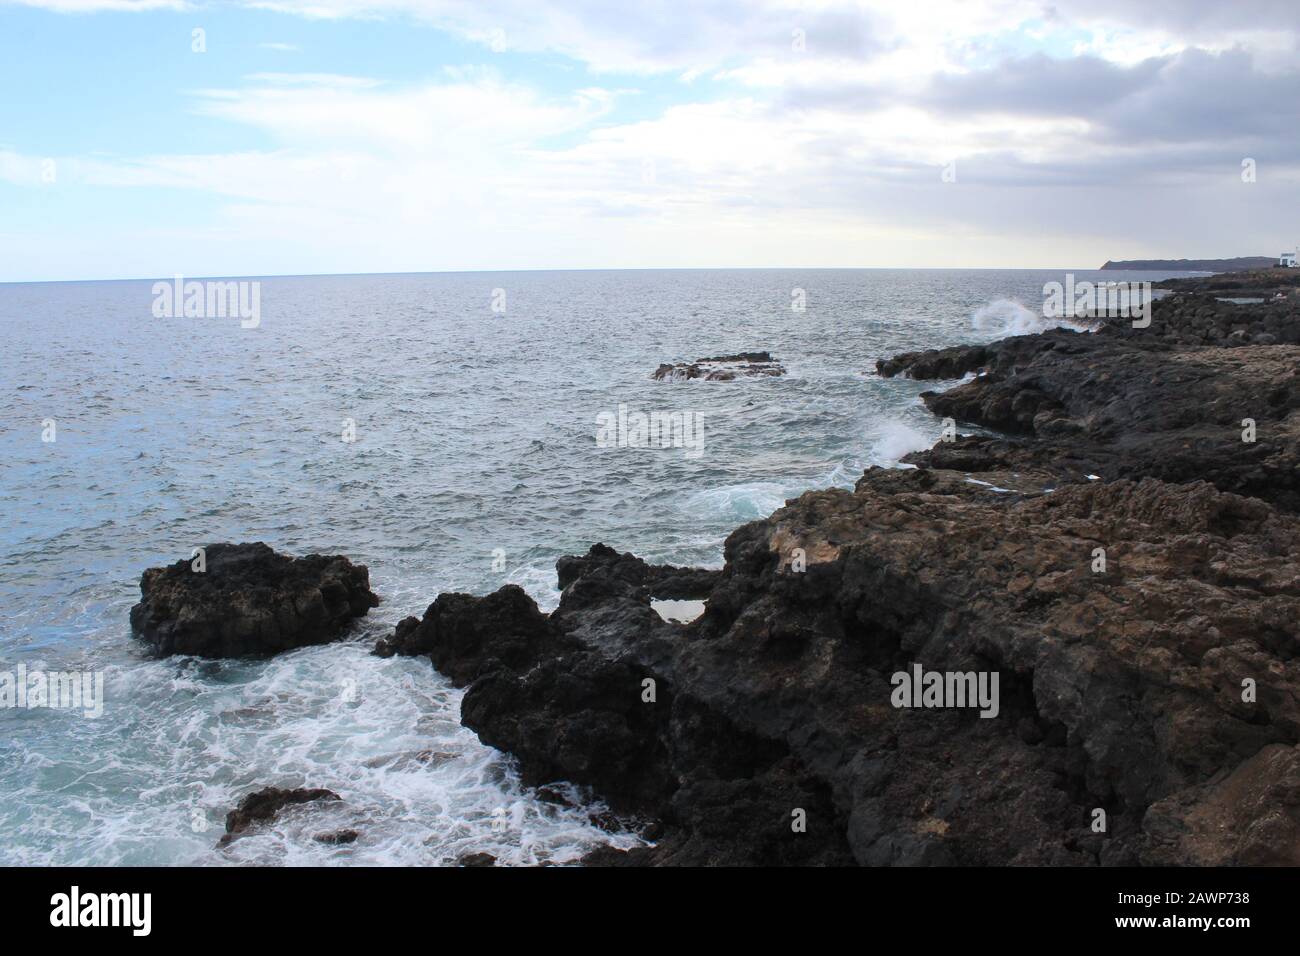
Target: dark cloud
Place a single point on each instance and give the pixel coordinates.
(1205, 97)
(1192, 19)
(1215, 103)
(1040, 85)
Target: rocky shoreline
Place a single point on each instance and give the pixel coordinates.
(1116, 552)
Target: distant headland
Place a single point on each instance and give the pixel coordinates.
(1239, 264)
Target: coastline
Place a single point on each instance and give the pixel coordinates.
(1121, 687)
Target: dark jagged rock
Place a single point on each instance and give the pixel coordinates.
(660, 581)
(1124, 563)
(1249, 818)
(337, 837)
(1096, 406)
(501, 632)
(1210, 319)
(250, 601)
(1131, 403)
(1259, 282)
(476, 859)
(722, 368)
(1120, 690)
(935, 363)
(265, 805)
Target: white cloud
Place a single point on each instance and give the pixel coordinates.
(472, 113)
(19, 170)
(689, 37)
(97, 6)
(466, 173)
(771, 155)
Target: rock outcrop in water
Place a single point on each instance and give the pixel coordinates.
(1138, 600)
(723, 368)
(265, 805)
(249, 601)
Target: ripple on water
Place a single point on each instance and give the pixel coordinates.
(475, 436)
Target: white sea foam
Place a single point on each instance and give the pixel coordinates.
(1006, 317)
(892, 439)
(744, 502)
(444, 473)
(540, 583)
(195, 736)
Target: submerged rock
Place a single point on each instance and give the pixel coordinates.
(249, 601)
(722, 368)
(266, 804)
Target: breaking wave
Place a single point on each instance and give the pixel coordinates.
(1006, 317)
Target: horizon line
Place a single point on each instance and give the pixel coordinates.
(436, 272)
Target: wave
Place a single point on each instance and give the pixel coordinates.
(384, 734)
(740, 502)
(892, 439)
(1006, 317)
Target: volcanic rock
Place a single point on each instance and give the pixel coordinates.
(1126, 403)
(1120, 689)
(249, 601)
(265, 805)
(722, 368)
(1123, 571)
(660, 581)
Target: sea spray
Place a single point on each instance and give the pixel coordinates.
(892, 439)
(1005, 317)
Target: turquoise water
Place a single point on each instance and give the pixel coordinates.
(474, 464)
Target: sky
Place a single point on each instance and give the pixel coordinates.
(148, 138)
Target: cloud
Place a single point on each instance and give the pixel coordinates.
(630, 37)
(1040, 85)
(19, 170)
(689, 37)
(1073, 127)
(98, 6)
(471, 112)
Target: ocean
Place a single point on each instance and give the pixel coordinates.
(471, 403)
